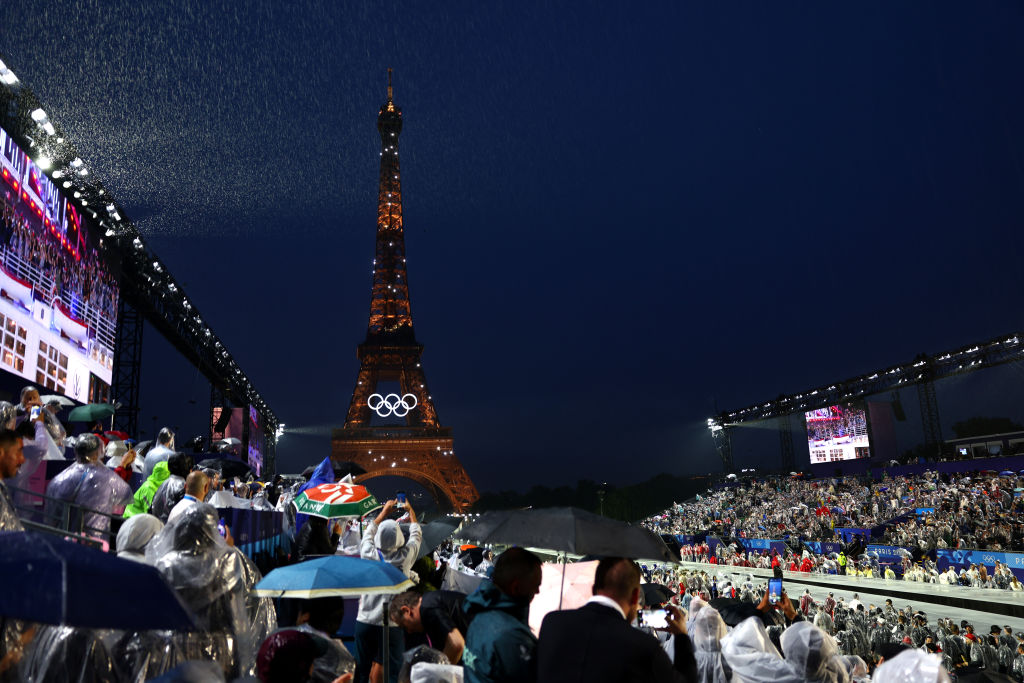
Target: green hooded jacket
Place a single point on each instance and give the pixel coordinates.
(144, 496)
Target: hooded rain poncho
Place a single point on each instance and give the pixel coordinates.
(813, 654)
(386, 544)
(753, 658)
(144, 496)
(135, 534)
(209, 577)
(706, 633)
(911, 666)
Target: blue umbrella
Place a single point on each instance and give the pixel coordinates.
(332, 575)
(1007, 473)
(49, 580)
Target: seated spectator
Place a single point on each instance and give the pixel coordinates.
(321, 618)
(135, 534)
(197, 487)
(89, 484)
(172, 490)
(143, 498)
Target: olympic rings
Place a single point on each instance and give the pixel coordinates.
(392, 404)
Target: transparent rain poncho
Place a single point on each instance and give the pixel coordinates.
(856, 668)
(135, 534)
(9, 520)
(261, 613)
(60, 654)
(420, 657)
(86, 484)
(911, 666)
(167, 496)
(696, 606)
(209, 577)
(752, 657)
(706, 633)
(334, 662)
(813, 654)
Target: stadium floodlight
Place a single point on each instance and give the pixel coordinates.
(58, 174)
(6, 75)
(43, 121)
(112, 210)
(44, 163)
(76, 163)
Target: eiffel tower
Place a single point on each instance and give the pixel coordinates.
(418, 447)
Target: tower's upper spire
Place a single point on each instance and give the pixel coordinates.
(390, 311)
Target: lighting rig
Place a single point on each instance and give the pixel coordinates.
(922, 372)
(148, 290)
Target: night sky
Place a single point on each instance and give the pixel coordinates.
(616, 215)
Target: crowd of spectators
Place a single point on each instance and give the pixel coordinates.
(715, 631)
(863, 634)
(86, 280)
(916, 514)
(983, 510)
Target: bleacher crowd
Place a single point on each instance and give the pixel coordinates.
(83, 281)
(980, 510)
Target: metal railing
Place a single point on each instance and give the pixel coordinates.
(104, 330)
(63, 518)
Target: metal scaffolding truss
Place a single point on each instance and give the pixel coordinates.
(923, 369)
(148, 290)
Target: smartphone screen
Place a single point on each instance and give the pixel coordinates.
(655, 618)
(774, 591)
(35, 412)
(400, 496)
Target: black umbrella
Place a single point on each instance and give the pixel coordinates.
(471, 557)
(655, 593)
(435, 533)
(229, 468)
(569, 530)
(974, 675)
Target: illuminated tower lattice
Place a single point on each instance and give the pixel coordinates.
(418, 448)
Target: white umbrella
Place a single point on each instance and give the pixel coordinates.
(56, 398)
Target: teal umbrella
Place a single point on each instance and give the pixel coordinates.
(332, 575)
(336, 575)
(93, 412)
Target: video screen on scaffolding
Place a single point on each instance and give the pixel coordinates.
(838, 432)
(255, 441)
(58, 286)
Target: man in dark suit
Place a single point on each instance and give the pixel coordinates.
(597, 644)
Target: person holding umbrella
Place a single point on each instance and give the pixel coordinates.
(383, 541)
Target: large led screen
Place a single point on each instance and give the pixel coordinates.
(837, 433)
(58, 288)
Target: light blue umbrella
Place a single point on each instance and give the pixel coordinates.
(332, 575)
(336, 575)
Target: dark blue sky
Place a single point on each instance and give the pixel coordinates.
(615, 215)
